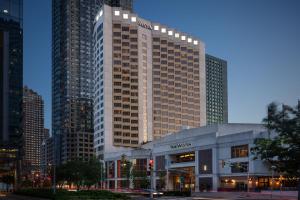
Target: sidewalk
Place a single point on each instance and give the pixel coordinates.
(245, 195)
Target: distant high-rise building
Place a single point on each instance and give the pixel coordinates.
(149, 80)
(72, 76)
(216, 90)
(11, 83)
(125, 4)
(33, 127)
(47, 155)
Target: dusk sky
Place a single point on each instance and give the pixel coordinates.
(260, 39)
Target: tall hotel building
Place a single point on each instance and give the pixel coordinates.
(72, 76)
(216, 90)
(149, 80)
(33, 128)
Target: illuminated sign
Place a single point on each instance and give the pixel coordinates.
(180, 145)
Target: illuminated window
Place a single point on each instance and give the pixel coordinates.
(183, 37)
(195, 42)
(133, 19)
(177, 35)
(170, 32)
(163, 30)
(125, 16)
(189, 40)
(117, 13)
(156, 27)
(239, 151)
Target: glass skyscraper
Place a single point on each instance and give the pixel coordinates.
(11, 71)
(216, 90)
(11, 83)
(72, 76)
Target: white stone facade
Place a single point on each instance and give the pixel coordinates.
(219, 141)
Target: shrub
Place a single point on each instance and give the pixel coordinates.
(68, 195)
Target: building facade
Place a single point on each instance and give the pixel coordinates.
(149, 80)
(216, 90)
(11, 83)
(124, 4)
(33, 130)
(72, 76)
(215, 157)
(47, 156)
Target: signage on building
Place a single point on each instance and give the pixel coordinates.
(145, 25)
(180, 145)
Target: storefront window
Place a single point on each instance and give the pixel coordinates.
(186, 157)
(110, 166)
(205, 161)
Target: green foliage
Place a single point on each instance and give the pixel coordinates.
(79, 173)
(140, 179)
(67, 195)
(281, 150)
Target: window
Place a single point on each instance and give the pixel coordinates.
(239, 151)
(239, 167)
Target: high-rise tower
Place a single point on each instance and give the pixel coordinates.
(33, 128)
(11, 83)
(11, 71)
(72, 76)
(149, 80)
(216, 90)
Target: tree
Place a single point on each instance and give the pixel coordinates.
(75, 171)
(126, 171)
(281, 150)
(92, 172)
(79, 173)
(140, 179)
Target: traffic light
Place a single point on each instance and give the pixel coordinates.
(151, 162)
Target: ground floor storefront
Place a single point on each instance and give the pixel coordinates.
(213, 158)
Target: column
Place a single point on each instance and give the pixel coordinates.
(154, 174)
(215, 169)
(196, 171)
(116, 174)
(131, 186)
(167, 170)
